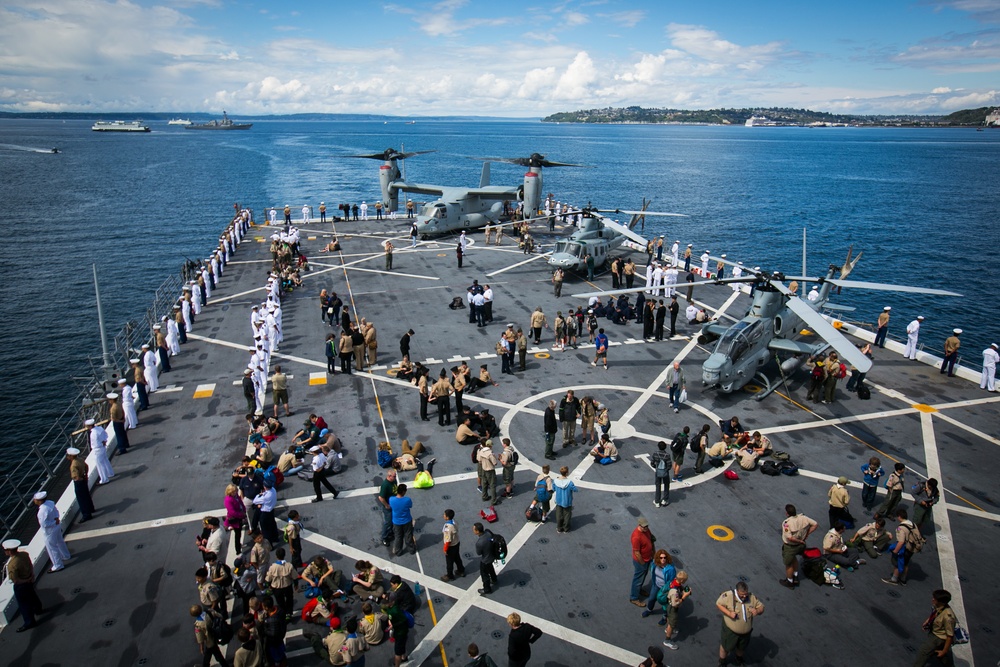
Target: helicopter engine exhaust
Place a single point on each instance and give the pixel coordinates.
(386, 175)
(532, 196)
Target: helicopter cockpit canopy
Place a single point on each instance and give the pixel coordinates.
(573, 249)
(436, 210)
(739, 339)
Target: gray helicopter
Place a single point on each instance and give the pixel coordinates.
(459, 208)
(775, 322)
(597, 236)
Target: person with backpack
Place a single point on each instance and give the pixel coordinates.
(660, 462)
(699, 445)
(661, 573)
(676, 592)
(835, 370)
(208, 643)
(477, 659)
(925, 496)
(908, 542)
(601, 349)
(508, 461)
(543, 493)
(816, 377)
(940, 629)
(564, 489)
(484, 549)
(677, 447)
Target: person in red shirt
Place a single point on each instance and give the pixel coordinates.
(642, 556)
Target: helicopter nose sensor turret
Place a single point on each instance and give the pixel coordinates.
(716, 369)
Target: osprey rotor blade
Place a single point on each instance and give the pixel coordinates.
(623, 211)
(845, 348)
(389, 154)
(893, 288)
(533, 160)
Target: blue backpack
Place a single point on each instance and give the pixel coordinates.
(384, 459)
(542, 493)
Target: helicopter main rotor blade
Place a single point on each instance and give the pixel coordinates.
(893, 288)
(845, 348)
(389, 154)
(623, 211)
(533, 160)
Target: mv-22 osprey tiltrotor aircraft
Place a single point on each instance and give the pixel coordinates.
(774, 325)
(459, 208)
(775, 320)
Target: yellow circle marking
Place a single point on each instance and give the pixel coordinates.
(922, 407)
(726, 533)
(392, 372)
(753, 388)
(542, 355)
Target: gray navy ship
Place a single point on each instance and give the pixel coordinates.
(225, 124)
(123, 598)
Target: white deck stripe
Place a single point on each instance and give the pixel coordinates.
(514, 266)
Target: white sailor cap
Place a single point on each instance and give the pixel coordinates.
(920, 317)
(740, 263)
(677, 241)
(157, 327)
(11, 544)
(163, 319)
(122, 381)
(145, 346)
(112, 396)
(73, 451)
(41, 495)
(89, 422)
(186, 288)
(956, 331)
(247, 372)
(176, 307)
(887, 308)
(510, 325)
(993, 345)
(723, 255)
(690, 245)
(133, 361)
(322, 202)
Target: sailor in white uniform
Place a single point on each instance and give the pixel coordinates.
(305, 213)
(813, 294)
(276, 311)
(149, 369)
(990, 359)
(675, 250)
(463, 241)
(364, 210)
(912, 335)
(658, 280)
(670, 278)
(128, 404)
(272, 216)
(98, 445)
(186, 309)
(272, 332)
(173, 336)
(704, 263)
(195, 298)
(649, 278)
(216, 266)
(48, 520)
(738, 272)
(206, 277)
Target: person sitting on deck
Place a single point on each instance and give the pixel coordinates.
(484, 380)
(731, 430)
(307, 436)
(465, 435)
(760, 444)
(605, 451)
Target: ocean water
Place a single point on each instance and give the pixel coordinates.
(922, 204)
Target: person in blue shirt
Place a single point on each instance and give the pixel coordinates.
(564, 488)
(601, 345)
(872, 472)
(402, 522)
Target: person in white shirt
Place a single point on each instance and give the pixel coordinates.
(912, 335)
(990, 359)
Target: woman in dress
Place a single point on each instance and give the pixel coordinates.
(236, 516)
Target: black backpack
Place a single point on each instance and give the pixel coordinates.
(864, 393)
(695, 443)
(772, 468)
(662, 468)
(499, 548)
(220, 630)
(680, 441)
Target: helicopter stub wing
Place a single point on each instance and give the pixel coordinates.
(418, 188)
(827, 332)
(794, 346)
(891, 288)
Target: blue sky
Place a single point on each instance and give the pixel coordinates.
(505, 58)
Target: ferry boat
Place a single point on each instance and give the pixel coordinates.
(759, 121)
(225, 124)
(179, 121)
(120, 126)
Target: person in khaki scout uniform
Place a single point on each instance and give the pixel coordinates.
(940, 627)
(871, 537)
(458, 383)
(424, 392)
(371, 343)
(207, 644)
(794, 531)
(388, 255)
(280, 577)
(346, 352)
(452, 548)
(22, 575)
(279, 386)
(538, 322)
(488, 461)
(739, 607)
(521, 343)
(839, 498)
(79, 472)
(210, 596)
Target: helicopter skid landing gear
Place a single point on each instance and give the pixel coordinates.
(767, 386)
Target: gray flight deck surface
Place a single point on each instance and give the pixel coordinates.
(123, 599)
